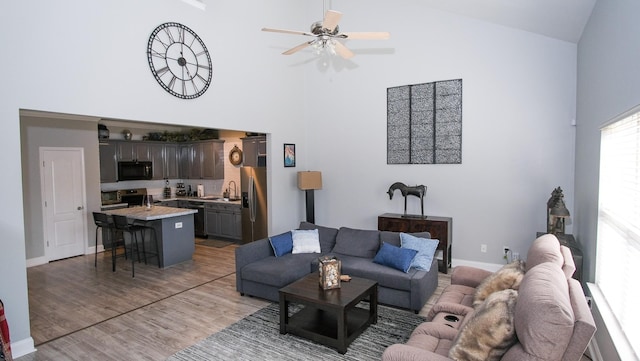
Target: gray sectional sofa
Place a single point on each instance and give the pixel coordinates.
(261, 274)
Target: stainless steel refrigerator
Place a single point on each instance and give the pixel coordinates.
(253, 183)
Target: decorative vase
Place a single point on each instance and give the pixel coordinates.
(329, 269)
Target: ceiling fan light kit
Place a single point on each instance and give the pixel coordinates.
(327, 34)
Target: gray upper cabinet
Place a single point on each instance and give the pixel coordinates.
(197, 160)
(171, 161)
(156, 154)
(254, 151)
(206, 160)
(108, 163)
(133, 151)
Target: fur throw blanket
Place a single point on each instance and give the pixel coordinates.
(490, 332)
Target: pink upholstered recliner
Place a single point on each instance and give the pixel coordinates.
(551, 318)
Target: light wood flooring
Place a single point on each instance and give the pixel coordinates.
(79, 312)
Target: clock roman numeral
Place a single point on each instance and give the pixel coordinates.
(181, 35)
(169, 34)
(172, 82)
(162, 71)
(194, 84)
(158, 54)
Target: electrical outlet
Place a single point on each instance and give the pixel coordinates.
(505, 249)
(483, 248)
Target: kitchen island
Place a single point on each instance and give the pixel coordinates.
(173, 228)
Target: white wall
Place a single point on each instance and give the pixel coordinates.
(608, 85)
(517, 139)
(88, 58)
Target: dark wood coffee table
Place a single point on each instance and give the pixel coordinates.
(329, 317)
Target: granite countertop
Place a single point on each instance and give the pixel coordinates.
(155, 213)
(208, 199)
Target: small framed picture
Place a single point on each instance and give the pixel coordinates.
(289, 155)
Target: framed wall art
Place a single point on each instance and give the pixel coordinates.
(289, 155)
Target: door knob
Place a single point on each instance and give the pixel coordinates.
(80, 208)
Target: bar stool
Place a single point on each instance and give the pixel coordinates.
(122, 224)
(103, 221)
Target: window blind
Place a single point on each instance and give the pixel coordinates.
(618, 244)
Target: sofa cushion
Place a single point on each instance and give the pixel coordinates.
(545, 248)
(305, 241)
(507, 277)
(489, 332)
(281, 244)
(357, 242)
(395, 257)
(426, 250)
(327, 235)
(279, 271)
(394, 237)
(544, 316)
(385, 276)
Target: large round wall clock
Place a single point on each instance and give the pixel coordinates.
(179, 60)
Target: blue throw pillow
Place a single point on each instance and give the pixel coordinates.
(395, 257)
(281, 244)
(426, 250)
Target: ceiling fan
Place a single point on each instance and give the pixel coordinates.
(327, 33)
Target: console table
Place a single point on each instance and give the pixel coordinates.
(576, 251)
(438, 227)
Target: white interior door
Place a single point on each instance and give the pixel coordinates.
(62, 179)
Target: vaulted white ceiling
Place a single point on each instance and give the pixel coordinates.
(560, 19)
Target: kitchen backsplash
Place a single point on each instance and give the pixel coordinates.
(156, 187)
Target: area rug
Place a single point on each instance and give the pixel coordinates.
(213, 243)
(257, 337)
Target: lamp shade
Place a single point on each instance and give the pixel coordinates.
(309, 180)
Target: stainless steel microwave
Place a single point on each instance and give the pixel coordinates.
(135, 171)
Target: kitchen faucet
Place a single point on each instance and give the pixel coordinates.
(235, 189)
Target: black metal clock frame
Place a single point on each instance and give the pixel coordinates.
(179, 60)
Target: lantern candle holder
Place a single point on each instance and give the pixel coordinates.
(329, 269)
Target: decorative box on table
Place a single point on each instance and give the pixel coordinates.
(329, 270)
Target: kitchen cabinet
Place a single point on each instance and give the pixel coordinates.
(171, 161)
(108, 162)
(184, 161)
(223, 220)
(194, 160)
(156, 154)
(133, 151)
(206, 160)
(254, 151)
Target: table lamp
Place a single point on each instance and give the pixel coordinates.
(558, 215)
(309, 181)
(557, 212)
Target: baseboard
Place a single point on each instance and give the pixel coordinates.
(37, 261)
(92, 250)
(22, 347)
(486, 266)
(593, 351)
(32, 262)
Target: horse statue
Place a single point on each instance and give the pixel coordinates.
(418, 191)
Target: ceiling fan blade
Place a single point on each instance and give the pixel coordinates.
(297, 48)
(382, 35)
(331, 20)
(343, 51)
(284, 31)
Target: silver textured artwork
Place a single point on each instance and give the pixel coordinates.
(424, 123)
